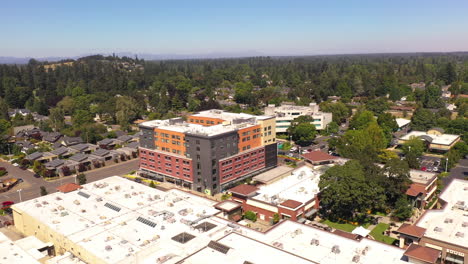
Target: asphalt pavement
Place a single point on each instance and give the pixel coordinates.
(30, 188)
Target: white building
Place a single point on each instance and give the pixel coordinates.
(115, 220)
(286, 113)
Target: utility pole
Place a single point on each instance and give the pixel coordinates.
(446, 164)
(19, 192)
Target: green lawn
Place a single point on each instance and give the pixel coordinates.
(343, 226)
(377, 233)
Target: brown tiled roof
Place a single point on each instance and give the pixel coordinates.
(426, 254)
(69, 187)
(415, 189)
(291, 204)
(346, 234)
(318, 156)
(244, 189)
(411, 230)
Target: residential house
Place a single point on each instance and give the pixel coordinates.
(70, 141)
(107, 143)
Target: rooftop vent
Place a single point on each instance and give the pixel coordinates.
(356, 258)
(336, 249)
(183, 237)
(315, 241)
(146, 221)
(205, 226)
(438, 229)
(218, 247)
(448, 220)
(460, 234)
(465, 224)
(113, 207)
(85, 195)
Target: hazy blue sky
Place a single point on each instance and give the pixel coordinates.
(68, 27)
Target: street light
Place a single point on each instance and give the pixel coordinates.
(19, 192)
(446, 164)
(75, 177)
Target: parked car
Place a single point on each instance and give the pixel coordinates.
(138, 180)
(2, 169)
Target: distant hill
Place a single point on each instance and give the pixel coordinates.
(145, 56)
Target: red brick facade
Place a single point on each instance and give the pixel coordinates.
(164, 163)
(241, 164)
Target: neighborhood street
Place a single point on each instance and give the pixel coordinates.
(30, 187)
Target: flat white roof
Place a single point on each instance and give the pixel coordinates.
(301, 186)
(299, 239)
(10, 253)
(119, 237)
(423, 177)
(272, 174)
(116, 236)
(448, 224)
(402, 122)
(185, 127)
(444, 139)
(228, 116)
(243, 249)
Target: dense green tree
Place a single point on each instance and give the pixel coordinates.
(57, 118)
(81, 178)
(82, 117)
(345, 192)
(403, 208)
(340, 111)
(303, 133)
(361, 120)
(413, 149)
(43, 191)
(422, 119)
(378, 106)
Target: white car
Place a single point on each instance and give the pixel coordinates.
(15, 164)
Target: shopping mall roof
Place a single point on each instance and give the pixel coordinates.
(444, 139)
(449, 224)
(301, 186)
(273, 174)
(11, 253)
(120, 221)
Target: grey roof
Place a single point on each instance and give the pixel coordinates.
(125, 138)
(79, 147)
(60, 151)
(133, 145)
(34, 156)
(106, 141)
(79, 157)
(52, 136)
(426, 138)
(72, 140)
(55, 163)
(101, 152)
(120, 133)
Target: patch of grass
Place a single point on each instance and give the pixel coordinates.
(377, 233)
(341, 226)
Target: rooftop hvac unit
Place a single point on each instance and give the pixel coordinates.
(315, 242)
(356, 258)
(336, 249)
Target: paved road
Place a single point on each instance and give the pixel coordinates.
(30, 188)
(459, 172)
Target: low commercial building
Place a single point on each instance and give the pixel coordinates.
(444, 230)
(293, 197)
(319, 158)
(287, 112)
(115, 220)
(423, 187)
(434, 138)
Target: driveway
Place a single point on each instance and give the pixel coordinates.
(30, 188)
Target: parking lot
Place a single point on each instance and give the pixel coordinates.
(431, 164)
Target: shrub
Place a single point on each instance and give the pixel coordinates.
(250, 216)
